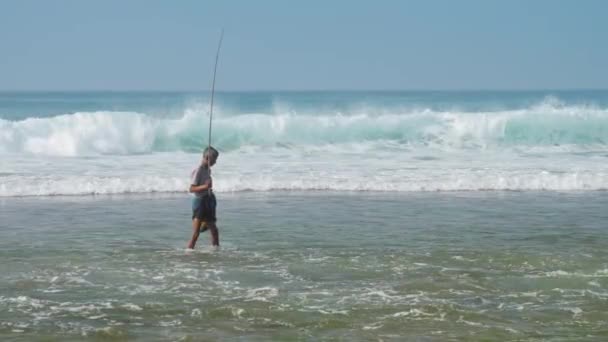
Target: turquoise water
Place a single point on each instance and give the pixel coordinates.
(116, 143)
(174, 121)
(20, 105)
(308, 266)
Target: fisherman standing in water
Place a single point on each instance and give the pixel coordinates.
(204, 203)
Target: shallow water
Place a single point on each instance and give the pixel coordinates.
(307, 266)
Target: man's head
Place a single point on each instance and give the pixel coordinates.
(210, 156)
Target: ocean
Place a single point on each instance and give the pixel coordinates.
(367, 215)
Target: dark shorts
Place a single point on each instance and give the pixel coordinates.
(203, 208)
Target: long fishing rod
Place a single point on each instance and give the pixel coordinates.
(217, 56)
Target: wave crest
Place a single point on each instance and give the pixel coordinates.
(123, 133)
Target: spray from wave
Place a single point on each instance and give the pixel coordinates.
(546, 146)
(124, 133)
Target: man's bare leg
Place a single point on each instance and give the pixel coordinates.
(215, 234)
(196, 226)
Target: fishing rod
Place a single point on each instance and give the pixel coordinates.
(217, 56)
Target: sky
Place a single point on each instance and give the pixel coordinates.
(303, 45)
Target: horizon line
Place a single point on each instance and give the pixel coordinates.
(100, 90)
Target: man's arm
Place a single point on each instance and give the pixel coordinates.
(200, 188)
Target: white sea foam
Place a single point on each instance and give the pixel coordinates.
(122, 133)
(544, 147)
(137, 175)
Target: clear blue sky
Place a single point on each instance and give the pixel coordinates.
(274, 45)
